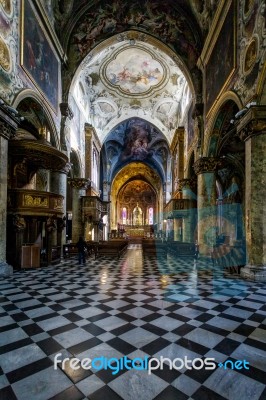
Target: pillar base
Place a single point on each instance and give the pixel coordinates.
(254, 272)
(5, 269)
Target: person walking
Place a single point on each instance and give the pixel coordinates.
(82, 247)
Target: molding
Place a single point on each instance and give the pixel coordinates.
(253, 123)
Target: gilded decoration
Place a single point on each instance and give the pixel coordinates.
(58, 203)
(5, 58)
(137, 171)
(35, 201)
(251, 56)
(207, 164)
(79, 183)
(7, 7)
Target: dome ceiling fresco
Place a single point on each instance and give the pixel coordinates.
(133, 77)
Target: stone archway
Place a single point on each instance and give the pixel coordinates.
(136, 185)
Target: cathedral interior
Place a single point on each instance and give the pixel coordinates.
(140, 127)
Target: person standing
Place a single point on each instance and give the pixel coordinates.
(82, 247)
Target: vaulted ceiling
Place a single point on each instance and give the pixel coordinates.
(135, 77)
(131, 59)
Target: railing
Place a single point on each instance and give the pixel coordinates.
(33, 202)
(179, 205)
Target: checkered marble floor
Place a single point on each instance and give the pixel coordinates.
(134, 307)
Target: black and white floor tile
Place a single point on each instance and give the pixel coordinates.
(134, 307)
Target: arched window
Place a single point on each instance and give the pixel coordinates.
(124, 215)
(95, 169)
(150, 216)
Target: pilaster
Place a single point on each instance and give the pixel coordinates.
(9, 121)
(252, 130)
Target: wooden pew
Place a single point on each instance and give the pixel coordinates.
(154, 247)
(182, 249)
(111, 248)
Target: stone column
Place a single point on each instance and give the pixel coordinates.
(79, 186)
(205, 168)
(58, 185)
(252, 129)
(8, 125)
(188, 187)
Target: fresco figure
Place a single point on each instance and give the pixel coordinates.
(136, 144)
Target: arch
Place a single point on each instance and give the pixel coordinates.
(135, 140)
(179, 82)
(147, 39)
(29, 93)
(135, 171)
(217, 120)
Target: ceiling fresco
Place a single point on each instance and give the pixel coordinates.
(136, 77)
(96, 21)
(135, 140)
(134, 71)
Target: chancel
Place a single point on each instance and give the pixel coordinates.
(138, 127)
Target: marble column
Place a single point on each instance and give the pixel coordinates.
(58, 185)
(8, 125)
(79, 186)
(252, 129)
(205, 168)
(188, 187)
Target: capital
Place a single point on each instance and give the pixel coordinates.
(253, 123)
(187, 183)
(79, 183)
(207, 164)
(66, 110)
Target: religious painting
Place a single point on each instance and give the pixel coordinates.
(134, 71)
(38, 58)
(136, 142)
(222, 61)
